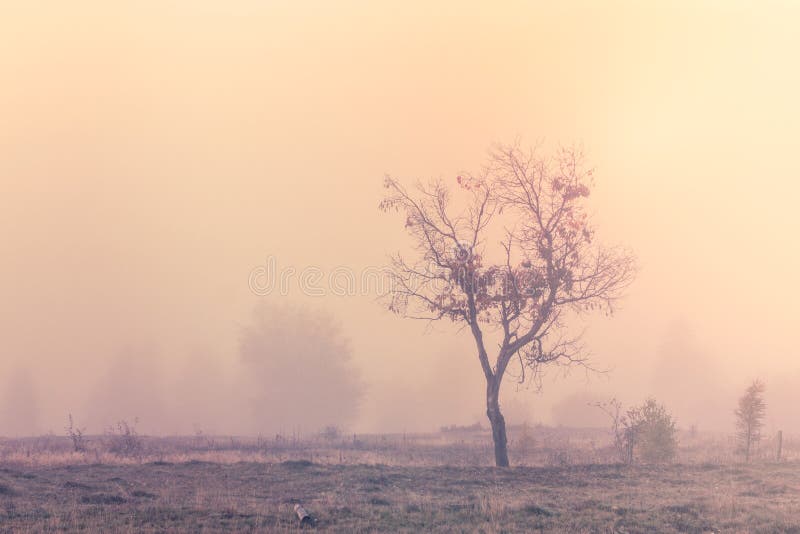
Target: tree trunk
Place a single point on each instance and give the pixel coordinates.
(498, 423)
(747, 445)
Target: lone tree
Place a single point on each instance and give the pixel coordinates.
(750, 417)
(509, 253)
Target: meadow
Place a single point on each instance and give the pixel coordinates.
(563, 480)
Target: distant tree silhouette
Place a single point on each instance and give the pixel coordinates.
(698, 398)
(19, 410)
(299, 369)
(132, 387)
(750, 417)
(575, 411)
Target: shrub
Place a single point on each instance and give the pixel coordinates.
(75, 434)
(331, 433)
(650, 432)
(124, 440)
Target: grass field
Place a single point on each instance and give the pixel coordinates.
(201, 496)
(564, 481)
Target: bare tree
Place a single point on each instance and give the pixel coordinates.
(543, 266)
(750, 417)
(623, 446)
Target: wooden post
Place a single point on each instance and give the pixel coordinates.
(780, 444)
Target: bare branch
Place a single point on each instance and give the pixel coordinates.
(547, 263)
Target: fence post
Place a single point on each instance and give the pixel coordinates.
(780, 444)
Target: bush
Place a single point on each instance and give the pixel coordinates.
(124, 440)
(650, 432)
(330, 433)
(76, 434)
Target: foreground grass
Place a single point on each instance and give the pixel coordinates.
(199, 496)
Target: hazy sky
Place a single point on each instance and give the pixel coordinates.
(153, 153)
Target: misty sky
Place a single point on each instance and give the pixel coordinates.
(154, 153)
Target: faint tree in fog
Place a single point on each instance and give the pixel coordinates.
(131, 388)
(574, 411)
(203, 397)
(299, 364)
(698, 397)
(750, 417)
(545, 263)
(19, 411)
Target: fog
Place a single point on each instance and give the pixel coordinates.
(154, 156)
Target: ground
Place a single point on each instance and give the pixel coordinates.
(199, 496)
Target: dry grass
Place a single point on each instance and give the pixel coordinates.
(533, 446)
(198, 496)
(436, 482)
